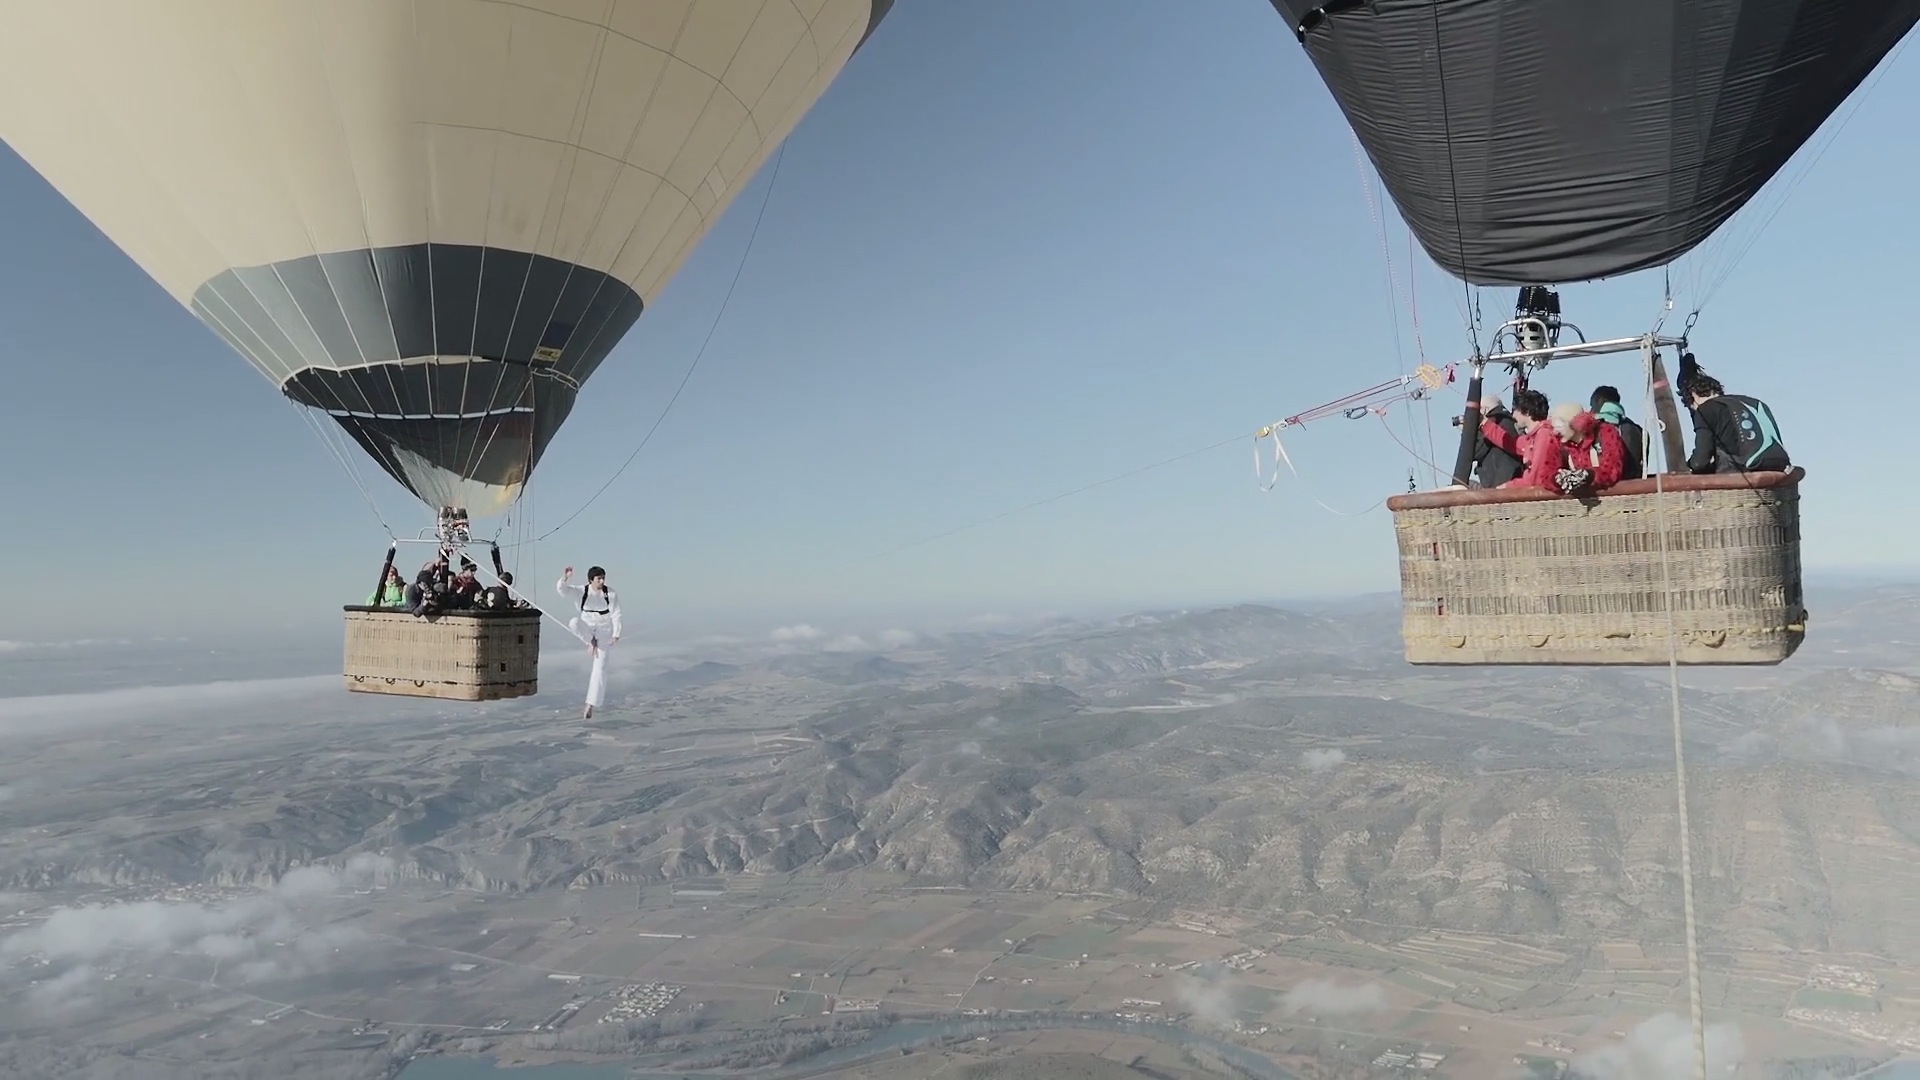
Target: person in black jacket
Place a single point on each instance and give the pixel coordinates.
(1605, 404)
(1731, 432)
(1493, 466)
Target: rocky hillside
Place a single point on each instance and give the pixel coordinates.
(1247, 758)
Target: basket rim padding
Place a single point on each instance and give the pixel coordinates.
(1672, 482)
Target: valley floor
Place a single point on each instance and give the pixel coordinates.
(752, 970)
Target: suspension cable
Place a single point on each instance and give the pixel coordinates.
(342, 457)
(1372, 401)
(752, 236)
(1679, 750)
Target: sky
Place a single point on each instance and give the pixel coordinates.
(1015, 250)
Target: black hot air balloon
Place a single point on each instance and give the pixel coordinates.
(1549, 141)
(1537, 142)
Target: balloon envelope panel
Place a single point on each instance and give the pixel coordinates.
(1546, 141)
(431, 219)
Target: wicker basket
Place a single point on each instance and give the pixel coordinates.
(463, 655)
(1525, 577)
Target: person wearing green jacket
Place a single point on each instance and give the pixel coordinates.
(392, 592)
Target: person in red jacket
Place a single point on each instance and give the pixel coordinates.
(1598, 448)
(1537, 445)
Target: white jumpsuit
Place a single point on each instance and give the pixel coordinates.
(597, 623)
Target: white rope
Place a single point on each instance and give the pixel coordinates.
(1281, 457)
(1679, 749)
(1395, 297)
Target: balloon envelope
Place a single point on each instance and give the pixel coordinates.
(1544, 141)
(430, 219)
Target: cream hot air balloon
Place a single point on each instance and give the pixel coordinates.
(431, 219)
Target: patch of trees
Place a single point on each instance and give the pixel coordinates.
(795, 1044)
(611, 1039)
(1820, 1068)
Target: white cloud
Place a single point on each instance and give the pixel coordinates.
(787, 638)
(49, 646)
(1661, 1048)
(1209, 997)
(21, 715)
(1750, 744)
(1325, 997)
(1322, 760)
(1889, 748)
(67, 990)
(265, 934)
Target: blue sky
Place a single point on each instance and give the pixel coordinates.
(1017, 248)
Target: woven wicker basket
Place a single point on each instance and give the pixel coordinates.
(463, 655)
(1525, 577)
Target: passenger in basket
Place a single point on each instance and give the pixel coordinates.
(392, 592)
(500, 597)
(465, 587)
(1595, 454)
(1731, 432)
(1493, 466)
(427, 595)
(1537, 447)
(1633, 438)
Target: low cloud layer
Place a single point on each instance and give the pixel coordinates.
(271, 934)
(1325, 997)
(1661, 1048)
(7, 646)
(1209, 994)
(30, 715)
(809, 635)
(1882, 748)
(1322, 760)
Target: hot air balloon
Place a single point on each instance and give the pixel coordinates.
(1533, 143)
(430, 221)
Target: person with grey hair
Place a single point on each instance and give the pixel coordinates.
(1595, 456)
(1493, 466)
